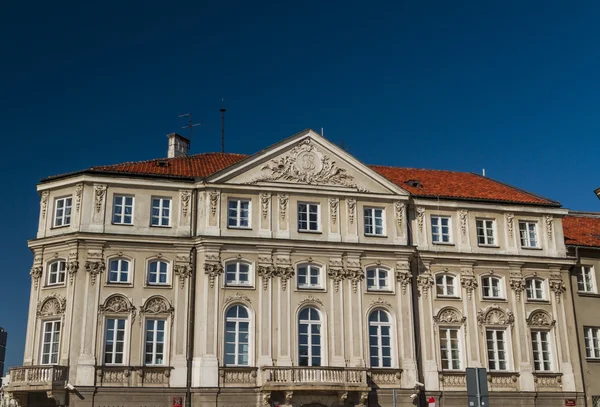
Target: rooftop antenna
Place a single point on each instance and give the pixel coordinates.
(483, 172)
(322, 133)
(223, 110)
(190, 125)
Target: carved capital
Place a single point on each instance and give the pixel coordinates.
(72, 268)
(558, 287)
(337, 275)
(214, 201)
(469, 283)
(95, 267)
(399, 214)
(266, 272)
(213, 270)
(182, 271)
(404, 277)
(36, 274)
(420, 218)
(509, 223)
(424, 283)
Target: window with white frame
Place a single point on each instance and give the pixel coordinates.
(528, 233)
(158, 272)
(542, 356)
(62, 211)
(57, 271)
(155, 342)
(491, 287)
(237, 336)
(309, 337)
(309, 276)
(380, 343)
(237, 273)
(114, 341)
(585, 280)
(308, 217)
(440, 229)
(534, 287)
(592, 342)
(161, 212)
(378, 279)
(450, 348)
(50, 342)
(486, 232)
(445, 285)
(123, 210)
(118, 271)
(496, 348)
(374, 221)
(238, 213)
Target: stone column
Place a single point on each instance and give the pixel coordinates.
(470, 284)
(404, 293)
(335, 272)
(37, 271)
(521, 345)
(425, 283)
(183, 270)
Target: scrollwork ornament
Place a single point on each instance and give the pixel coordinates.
(265, 199)
(214, 200)
(213, 270)
(518, 285)
(44, 203)
(558, 287)
(285, 273)
(449, 316)
(469, 283)
(283, 203)
(399, 209)
(404, 278)
(333, 207)
(99, 194)
(95, 267)
(182, 271)
(540, 318)
(157, 305)
(509, 223)
(420, 217)
(337, 275)
(495, 315)
(266, 272)
(549, 225)
(237, 297)
(185, 196)
(355, 275)
(36, 274)
(72, 268)
(351, 202)
(424, 283)
(54, 304)
(78, 195)
(463, 213)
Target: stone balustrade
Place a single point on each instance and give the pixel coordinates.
(328, 377)
(45, 377)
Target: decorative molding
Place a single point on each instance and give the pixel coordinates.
(509, 216)
(463, 214)
(267, 272)
(540, 318)
(265, 199)
(54, 304)
(364, 398)
(404, 277)
(355, 275)
(518, 285)
(117, 304)
(306, 164)
(36, 271)
(558, 287)
(333, 206)
(420, 217)
(310, 299)
(185, 197)
(213, 270)
(44, 203)
(214, 200)
(337, 275)
(424, 283)
(99, 194)
(449, 315)
(469, 283)
(380, 301)
(495, 315)
(351, 202)
(283, 203)
(157, 305)
(182, 271)
(237, 297)
(399, 212)
(72, 269)
(288, 397)
(549, 225)
(95, 265)
(78, 196)
(285, 273)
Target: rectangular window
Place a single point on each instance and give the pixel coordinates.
(377, 279)
(155, 342)
(592, 343)
(374, 221)
(123, 210)
(308, 217)
(440, 229)
(496, 347)
(237, 273)
(62, 211)
(540, 343)
(485, 232)
(309, 277)
(528, 233)
(50, 341)
(534, 288)
(450, 348)
(57, 272)
(114, 345)
(585, 280)
(491, 287)
(238, 213)
(161, 211)
(158, 272)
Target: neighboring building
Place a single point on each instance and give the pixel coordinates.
(3, 338)
(298, 276)
(597, 191)
(582, 234)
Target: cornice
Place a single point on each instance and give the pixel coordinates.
(500, 206)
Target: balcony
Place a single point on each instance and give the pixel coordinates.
(314, 378)
(37, 378)
(133, 376)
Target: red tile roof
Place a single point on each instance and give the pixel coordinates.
(582, 230)
(432, 183)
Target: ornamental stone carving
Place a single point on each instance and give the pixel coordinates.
(420, 218)
(283, 203)
(95, 265)
(237, 297)
(540, 318)
(495, 315)
(355, 275)
(36, 274)
(157, 305)
(558, 287)
(54, 304)
(469, 283)
(449, 316)
(214, 201)
(285, 273)
(72, 268)
(265, 199)
(117, 304)
(518, 285)
(78, 195)
(549, 225)
(334, 203)
(380, 302)
(310, 299)
(99, 194)
(213, 270)
(182, 271)
(266, 272)
(509, 223)
(351, 202)
(404, 278)
(44, 203)
(462, 214)
(306, 164)
(185, 197)
(337, 275)
(424, 283)
(399, 212)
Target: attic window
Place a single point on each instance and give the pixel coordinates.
(162, 163)
(414, 183)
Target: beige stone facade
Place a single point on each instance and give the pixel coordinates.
(365, 305)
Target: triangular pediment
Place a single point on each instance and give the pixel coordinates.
(307, 159)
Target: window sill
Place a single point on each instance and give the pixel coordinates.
(158, 286)
(492, 299)
(60, 227)
(117, 284)
(122, 224)
(588, 294)
(380, 291)
(531, 248)
(51, 286)
(592, 360)
(375, 235)
(447, 297)
(534, 301)
(239, 227)
(443, 243)
(310, 231)
(239, 287)
(489, 246)
(161, 226)
(311, 289)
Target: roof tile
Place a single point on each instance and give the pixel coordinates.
(582, 230)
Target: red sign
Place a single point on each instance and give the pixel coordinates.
(431, 402)
(570, 402)
(177, 402)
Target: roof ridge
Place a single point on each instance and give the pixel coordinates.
(420, 169)
(165, 158)
(517, 188)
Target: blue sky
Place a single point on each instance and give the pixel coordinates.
(509, 86)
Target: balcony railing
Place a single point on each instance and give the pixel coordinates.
(45, 377)
(328, 377)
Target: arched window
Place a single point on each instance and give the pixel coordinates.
(377, 279)
(158, 272)
(56, 272)
(237, 273)
(380, 343)
(309, 276)
(309, 337)
(535, 289)
(491, 287)
(118, 271)
(237, 336)
(445, 285)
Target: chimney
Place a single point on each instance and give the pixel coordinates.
(178, 145)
